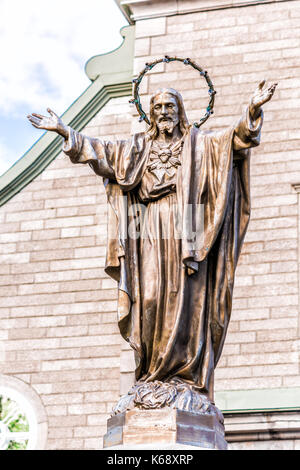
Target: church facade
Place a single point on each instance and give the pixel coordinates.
(62, 360)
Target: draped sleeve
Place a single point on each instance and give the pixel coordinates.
(246, 133)
(122, 161)
(100, 155)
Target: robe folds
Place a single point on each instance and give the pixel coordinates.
(175, 296)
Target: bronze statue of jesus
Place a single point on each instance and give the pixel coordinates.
(175, 295)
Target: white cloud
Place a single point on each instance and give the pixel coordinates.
(7, 157)
(44, 46)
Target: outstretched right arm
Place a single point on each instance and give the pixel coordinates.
(81, 149)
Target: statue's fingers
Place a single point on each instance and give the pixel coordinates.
(272, 88)
(33, 117)
(50, 111)
(34, 120)
(38, 115)
(35, 125)
(261, 84)
(30, 117)
(267, 95)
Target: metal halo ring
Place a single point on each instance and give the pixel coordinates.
(149, 65)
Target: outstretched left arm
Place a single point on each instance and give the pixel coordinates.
(247, 131)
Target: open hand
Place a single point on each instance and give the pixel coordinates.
(260, 97)
(49, 123)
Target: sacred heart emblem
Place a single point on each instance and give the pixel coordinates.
(164, 155)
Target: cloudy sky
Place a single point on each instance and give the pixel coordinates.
(44, 47)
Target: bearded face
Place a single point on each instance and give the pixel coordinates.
(165, 112)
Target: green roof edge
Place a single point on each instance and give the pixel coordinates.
(112, 78)
(258, 400)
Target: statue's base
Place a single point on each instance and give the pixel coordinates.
(165, 428)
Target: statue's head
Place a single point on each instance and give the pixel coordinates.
(167, 112)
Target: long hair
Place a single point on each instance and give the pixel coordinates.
(183, 121)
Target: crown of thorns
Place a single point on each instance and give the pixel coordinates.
(149, 65)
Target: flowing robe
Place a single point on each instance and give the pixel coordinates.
(175, 297)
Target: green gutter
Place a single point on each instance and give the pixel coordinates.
(111, 76)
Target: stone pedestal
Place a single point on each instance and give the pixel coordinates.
(167, 428)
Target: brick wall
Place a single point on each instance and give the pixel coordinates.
(58, 308)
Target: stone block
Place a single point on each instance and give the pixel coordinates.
(164, 427)
(152, 27)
